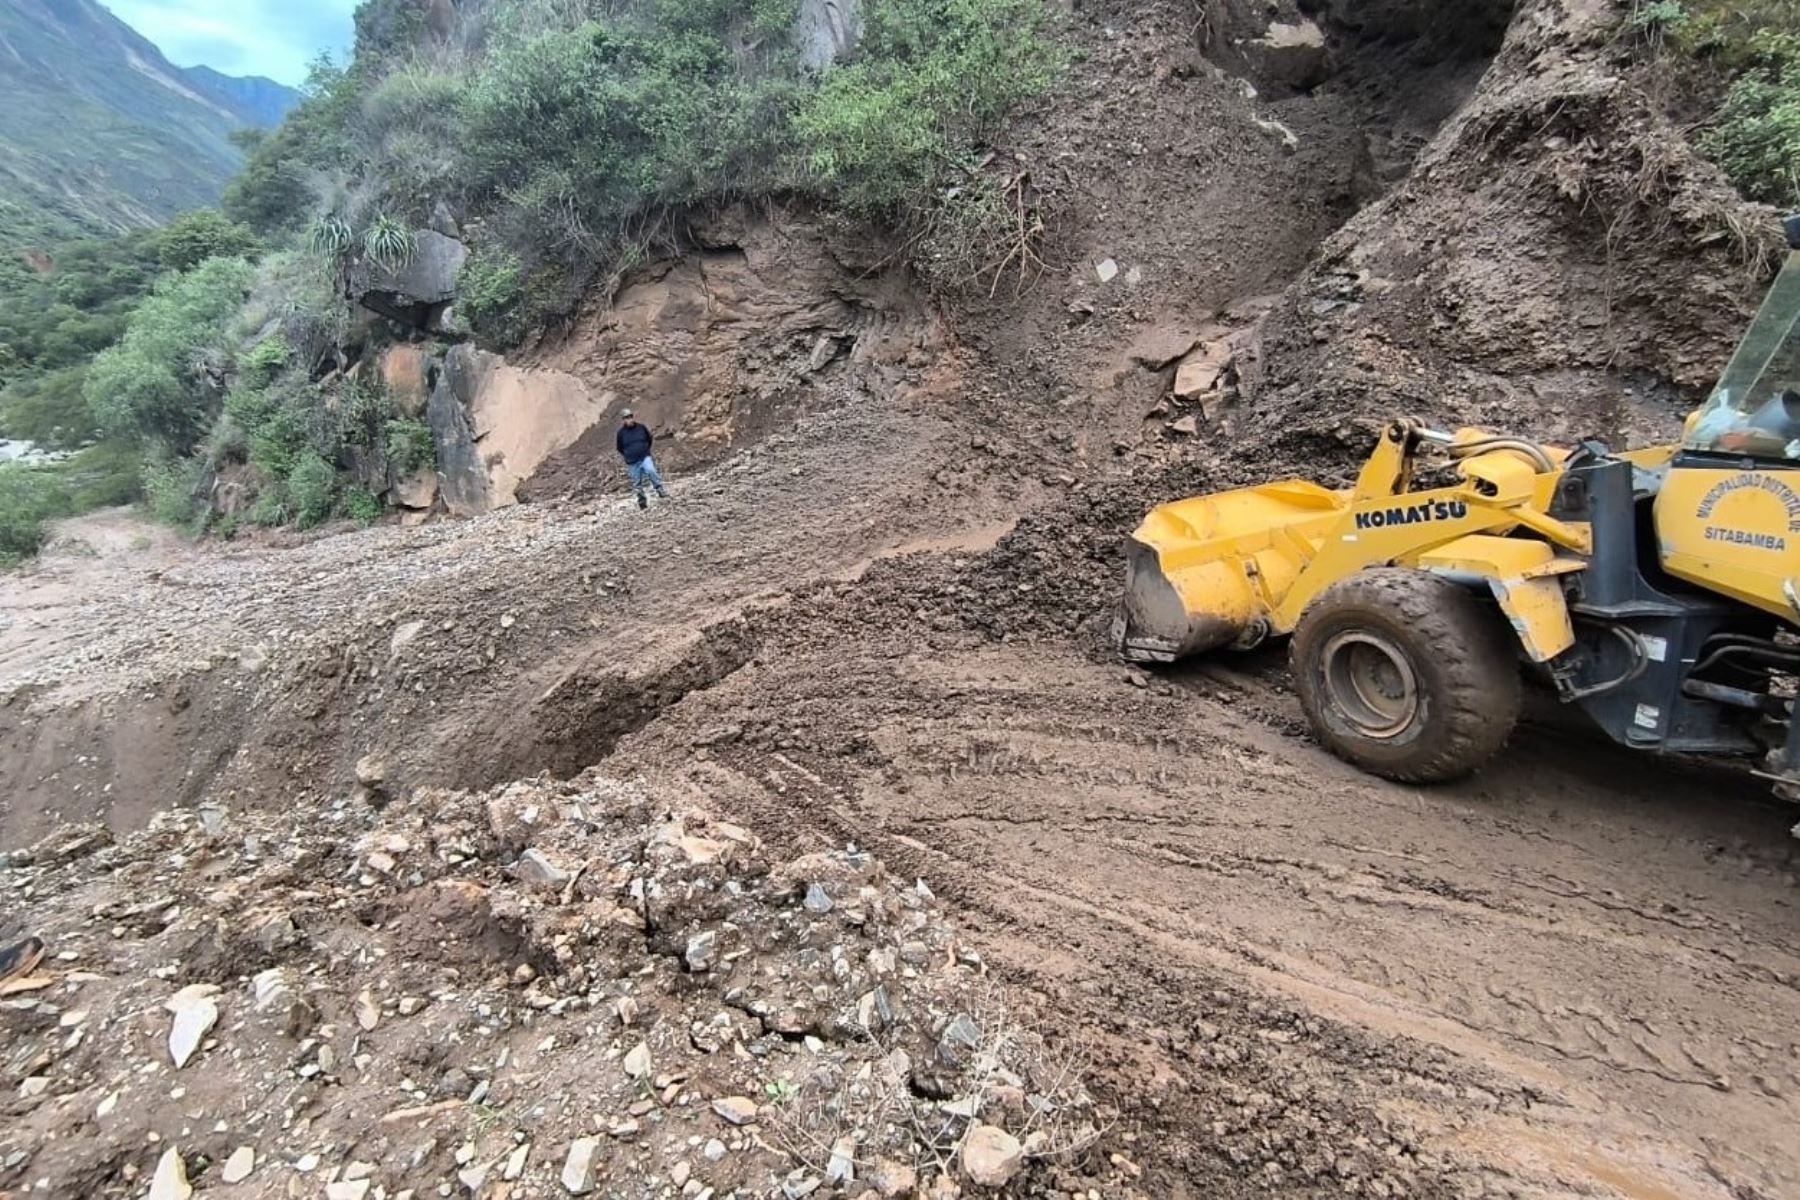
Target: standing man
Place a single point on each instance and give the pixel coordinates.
(634, 443)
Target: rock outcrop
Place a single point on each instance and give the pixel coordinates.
(418, 294)
(827, 30)
(755, 326)
(494, 424)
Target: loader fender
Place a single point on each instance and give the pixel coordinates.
(1525, 577)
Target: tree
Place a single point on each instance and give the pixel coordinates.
(193, 237)
(155, 385)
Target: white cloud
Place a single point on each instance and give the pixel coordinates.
(277, 38)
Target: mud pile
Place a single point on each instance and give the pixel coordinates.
(548, 989)
(1560, 261)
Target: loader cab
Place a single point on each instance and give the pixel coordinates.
(1728, 514)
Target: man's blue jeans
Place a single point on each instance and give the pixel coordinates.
(646, 472)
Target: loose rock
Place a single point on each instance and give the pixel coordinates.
(578, 1168)
(736, 1110)
(239, 1166)
(170, 1181)
(991, 1157)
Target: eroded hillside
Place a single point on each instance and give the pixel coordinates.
(869, 630)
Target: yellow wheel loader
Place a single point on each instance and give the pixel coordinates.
(1656, 590)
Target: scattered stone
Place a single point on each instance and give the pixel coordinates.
(818, 900)
(1161, 346)
(1292, 53)
(991, 1157)
(239, 1166)
(170, 1181)
(578, 1168)
(842, 1166)
(701, 851)
(368, 1012)
(637, 1062)
(961, 1037)
(679, 1173)
(404, 636)
(702, 951)
(713, 1151)
(535, 870)
(195, 1015)
(515, 1162)
(1201, 370)
(1188, 426)
(371, 771)
(347, 1189)
(892, 1178)
(736, 1110)
(1107, 270)
(34, 1086)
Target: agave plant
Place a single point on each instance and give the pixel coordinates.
(389, 244)
(330, 235)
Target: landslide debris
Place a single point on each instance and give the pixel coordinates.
(547, 989)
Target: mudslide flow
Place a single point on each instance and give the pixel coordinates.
(877, 628)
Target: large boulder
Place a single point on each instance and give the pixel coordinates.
(418, 293)
(494, 424)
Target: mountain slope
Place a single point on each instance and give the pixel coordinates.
(253, 99)
(99, 131)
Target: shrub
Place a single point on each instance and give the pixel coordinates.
(265, 360)
(363, 413)
(271, 506)
(104, 475)
(157, 384)
(1756, 135)
(932, 78)
(1749, 50)
(410, 446)
(491, 295)
(29, 496)
(389, 244)
(360, 505)
(171, 491)
(310, 488)
(193, 237)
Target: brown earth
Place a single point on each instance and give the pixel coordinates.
(882, 623)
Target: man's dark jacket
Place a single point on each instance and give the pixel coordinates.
(634, 443)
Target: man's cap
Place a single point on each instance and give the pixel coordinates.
(630, 412)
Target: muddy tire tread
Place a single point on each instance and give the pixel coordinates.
(1471, 670)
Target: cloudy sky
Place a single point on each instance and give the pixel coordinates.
(276, 38)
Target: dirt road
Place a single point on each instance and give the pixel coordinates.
(1574, 974)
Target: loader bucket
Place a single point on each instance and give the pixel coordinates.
(1202, 573)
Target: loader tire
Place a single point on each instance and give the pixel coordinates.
(1407, 675)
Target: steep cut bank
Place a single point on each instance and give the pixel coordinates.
(1560, 262)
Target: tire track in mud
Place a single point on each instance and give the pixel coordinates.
(1557, 984)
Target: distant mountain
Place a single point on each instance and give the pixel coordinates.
(256, 101)
(98, 131)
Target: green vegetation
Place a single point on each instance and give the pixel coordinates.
(29, 496)
(160, 383)
(570, 138)
(1750, 50)
(582, 129)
